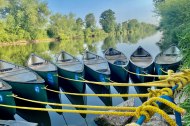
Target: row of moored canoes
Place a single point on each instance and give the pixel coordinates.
(29, 82)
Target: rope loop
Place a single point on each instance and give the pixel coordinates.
(140, 111)
(166, 91)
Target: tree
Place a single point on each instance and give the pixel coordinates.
(90, 21)
(25, 19)
(107, 20)
(79, 23)
(118, 29)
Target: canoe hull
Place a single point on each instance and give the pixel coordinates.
(72, 75)
(7, 113)
(166, 67)
(118, 74)
(51, 78)
(95, 76)
(33, 91)
(141, 79)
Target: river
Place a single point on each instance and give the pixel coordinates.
(19, 55)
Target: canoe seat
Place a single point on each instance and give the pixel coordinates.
(65, 60)
(90, 58)
(119, 62)
(146, 55)
(39, 63)
(171, 54)
(102, 70)
(6, 69)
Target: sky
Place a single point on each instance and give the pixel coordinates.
(141, 10)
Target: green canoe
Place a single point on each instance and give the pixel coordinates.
(46, 69)
(96, 67)
(5, 90)
(23, 81)
(141, 62)
(169, 59)
(118, 62)
(70, 67)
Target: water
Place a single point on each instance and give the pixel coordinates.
(50, 50)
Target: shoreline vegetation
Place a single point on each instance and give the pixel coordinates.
(24, 21)
(175, 24)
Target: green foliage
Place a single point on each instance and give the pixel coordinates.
(90, 21)
(175, 24)
(24, 19)
(79, 24)
(107, 20)
(31, 20)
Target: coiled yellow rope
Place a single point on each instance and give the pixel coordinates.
(76, 106)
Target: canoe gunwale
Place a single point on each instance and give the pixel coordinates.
(127, 63)
(81, 71)
(29, 65)
(6, 87)
(39, 79)
(152, 62)
(109, 72)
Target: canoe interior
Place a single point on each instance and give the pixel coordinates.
(116, 57)
(16, 73)
(68, 62)
(169, 56)
(39, 64)
(4, 86)
(96, 63)
(141, 58)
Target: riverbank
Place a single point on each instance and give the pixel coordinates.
(25, 42)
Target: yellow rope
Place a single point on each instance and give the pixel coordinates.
(166, 102)
(162, 113)
(163, 71)
(76, 106)
(145, 75)
(72, 111)
(162, 83)
(99, 95)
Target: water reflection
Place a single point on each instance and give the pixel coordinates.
(54, 98)
(40, 117)
(78, 100)
(110, 41)
(19, 55)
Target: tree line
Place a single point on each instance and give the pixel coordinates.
(31, 20)
(175, 24)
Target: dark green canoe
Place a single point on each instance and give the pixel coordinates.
(141, 62)
(96, 67)
(46, 69)
(171, 59)
(70, 67)
(24, 82)
(118, 62)
(5, 90)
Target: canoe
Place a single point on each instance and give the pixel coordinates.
(171, 59)
(46, 69)
(96, 67)
(5, 90)
(70, 67)
(118, 62)
(141, 62)
(24, 82)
